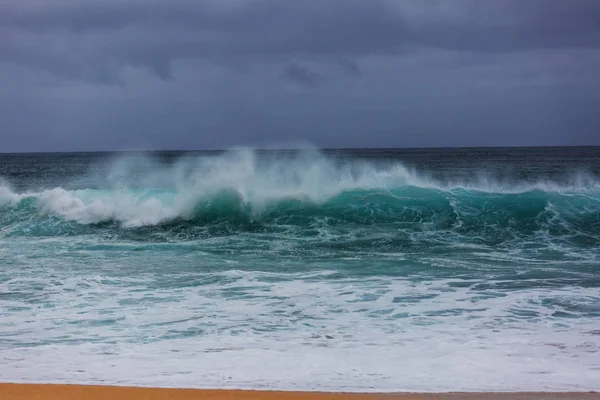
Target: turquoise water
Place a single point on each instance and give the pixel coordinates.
(342, 270)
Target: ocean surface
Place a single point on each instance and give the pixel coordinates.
(353, 270)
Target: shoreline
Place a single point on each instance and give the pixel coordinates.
(26, 391)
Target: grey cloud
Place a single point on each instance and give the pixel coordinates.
(349, 67)
(515, 25)
(115, 74)
(300, 75)
(98, 37)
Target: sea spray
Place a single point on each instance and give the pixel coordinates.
(356, 270)
(307, 191)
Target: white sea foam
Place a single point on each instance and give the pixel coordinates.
(298, 333)
(7, 195)
(259, 309)
(144, 192)
(92, 207)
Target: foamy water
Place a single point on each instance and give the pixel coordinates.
(300, 271)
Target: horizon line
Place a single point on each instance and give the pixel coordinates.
(326, 149)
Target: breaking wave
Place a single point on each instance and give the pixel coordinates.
(238, 192)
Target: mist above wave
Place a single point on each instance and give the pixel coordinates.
(138, 191)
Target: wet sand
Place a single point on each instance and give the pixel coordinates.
(76, 392)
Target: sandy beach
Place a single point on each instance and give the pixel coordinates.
(10, 391)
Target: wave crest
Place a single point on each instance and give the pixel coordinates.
(310, 190)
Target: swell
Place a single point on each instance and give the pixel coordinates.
(390, 213)
(303, 195)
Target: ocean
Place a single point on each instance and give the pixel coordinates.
(337, 270)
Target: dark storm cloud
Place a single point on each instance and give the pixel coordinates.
(301, 75)
(349, 67)
(94, 38)
(115, 74)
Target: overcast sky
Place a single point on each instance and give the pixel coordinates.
(204, 74)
